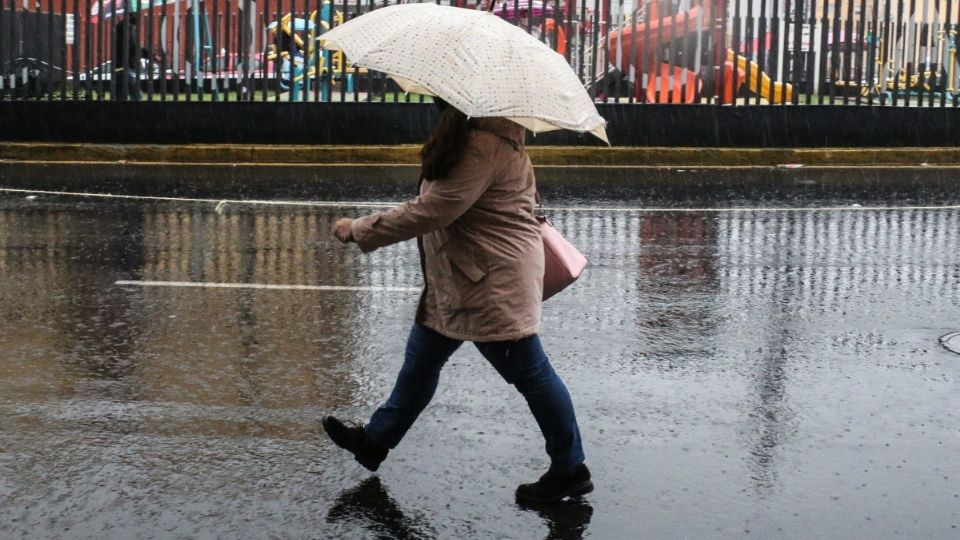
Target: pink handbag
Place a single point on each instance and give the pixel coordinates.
(563, 264)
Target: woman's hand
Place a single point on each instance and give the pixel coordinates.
(342, 230)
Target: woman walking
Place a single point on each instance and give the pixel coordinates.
(482, 259)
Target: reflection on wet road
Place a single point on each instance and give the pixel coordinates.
(776, 374)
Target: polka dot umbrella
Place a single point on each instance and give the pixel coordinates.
(474, 60)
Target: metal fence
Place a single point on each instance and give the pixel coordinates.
(728, 52)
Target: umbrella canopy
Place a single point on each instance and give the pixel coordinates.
(474, 60)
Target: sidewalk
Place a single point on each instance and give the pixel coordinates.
(216, 155)
(707, 175)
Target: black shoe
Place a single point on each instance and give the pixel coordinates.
(553, 486)
(353, 439)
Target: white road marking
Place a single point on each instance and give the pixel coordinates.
(130, 283)
(219, 202)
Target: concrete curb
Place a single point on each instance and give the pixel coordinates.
(572, 156)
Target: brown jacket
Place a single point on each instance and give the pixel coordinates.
(479, 243)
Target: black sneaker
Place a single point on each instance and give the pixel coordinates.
(553, 486)
(353, 439)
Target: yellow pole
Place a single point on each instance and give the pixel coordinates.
(937, 71)
(881, 83)
(953, 60)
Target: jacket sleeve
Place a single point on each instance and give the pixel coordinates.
(435, 209)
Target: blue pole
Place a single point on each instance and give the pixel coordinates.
(196, 38)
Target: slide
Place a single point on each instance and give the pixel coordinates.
(633, 41)
(672, 84)
(773, 92)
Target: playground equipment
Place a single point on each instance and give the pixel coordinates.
(199, 38)
(894, 80)
(640, 45)
(908, 74)
(735, 70)
(199, 25)
(953, 62)
(912, 55)
(652, 44)
(295, 43)
(551, 28)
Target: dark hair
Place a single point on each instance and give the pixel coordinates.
(446, 146)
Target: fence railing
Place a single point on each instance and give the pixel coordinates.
(728, 52)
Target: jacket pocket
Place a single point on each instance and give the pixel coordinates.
(464, 261)
(468, 267)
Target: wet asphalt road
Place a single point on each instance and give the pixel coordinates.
(762, 374)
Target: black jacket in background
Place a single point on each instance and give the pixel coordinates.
(126, 47)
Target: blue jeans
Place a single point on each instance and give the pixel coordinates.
(128, 86)
(521, 363)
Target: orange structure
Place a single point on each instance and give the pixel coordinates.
(638, 46)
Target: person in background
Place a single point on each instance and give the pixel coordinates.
(482, 259)
(126, 58)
